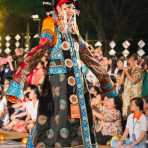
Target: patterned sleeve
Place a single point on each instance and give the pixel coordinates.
(99, 71)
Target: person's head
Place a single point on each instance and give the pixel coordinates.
(65, 7)
(98, 52)
(120, 63)
(145, 100)
(109, 102)
(34, 92)
(94, 91)
(133, 60)
(104, 61)
(110, 61)
(113, 103)
(40, 65)
(145, 63)
(18, 52)
(136, 104)
(6, 84)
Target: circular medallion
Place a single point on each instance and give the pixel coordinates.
(64, 133)
(42, 119)
(62, 104)
(61, 29)
(73, 99)
(50, 133)
(71, 81)
(57, 145)
(76, 45)
(69, 63)
(41, 145)
(65, 46)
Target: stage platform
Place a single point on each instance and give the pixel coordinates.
(11, 140)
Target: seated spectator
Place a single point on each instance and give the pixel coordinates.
(32, 107)
(6, 68)
(36, 77)
(4, 116)
(133, 82)
(45, 60)
(18, 123)
(20, 106)
(3, 100)
(110, 120)
(136, 126)
(96, 104)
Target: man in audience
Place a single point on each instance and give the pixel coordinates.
(136, 126)
(133, 82)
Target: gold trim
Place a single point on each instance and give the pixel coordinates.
(73, 99)
(42, 119)
(71, 81)
(69, 63)
(65, 45)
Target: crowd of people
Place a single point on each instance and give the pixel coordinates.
(119, 116)
(124, 115)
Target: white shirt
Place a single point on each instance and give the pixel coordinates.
(136, 126)
(3, 108)
(32, 109)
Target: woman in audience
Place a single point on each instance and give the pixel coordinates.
(36, 77)
(32, 107)
(133, 82)
(110, 120)
(4, 116)
(119, 74)
(18, 123)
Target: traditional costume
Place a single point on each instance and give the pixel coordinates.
(71, 122)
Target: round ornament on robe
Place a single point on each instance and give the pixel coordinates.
(73, 99)
(50, 134)
(76, 45)
(42, 119)
(69, 63)
(61, 29)
(58, 145)
(41, 145)
(64, 133)
(71, 81)
(65, 46)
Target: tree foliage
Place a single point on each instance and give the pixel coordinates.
(115, 19)
(101, 19)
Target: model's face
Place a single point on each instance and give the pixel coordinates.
(68, 9)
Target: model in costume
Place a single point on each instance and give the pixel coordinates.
(70, 122)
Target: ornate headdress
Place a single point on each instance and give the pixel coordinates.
(61, 2)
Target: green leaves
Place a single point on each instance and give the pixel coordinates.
(23, 8)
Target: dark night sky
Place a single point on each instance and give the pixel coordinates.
(102, 19)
